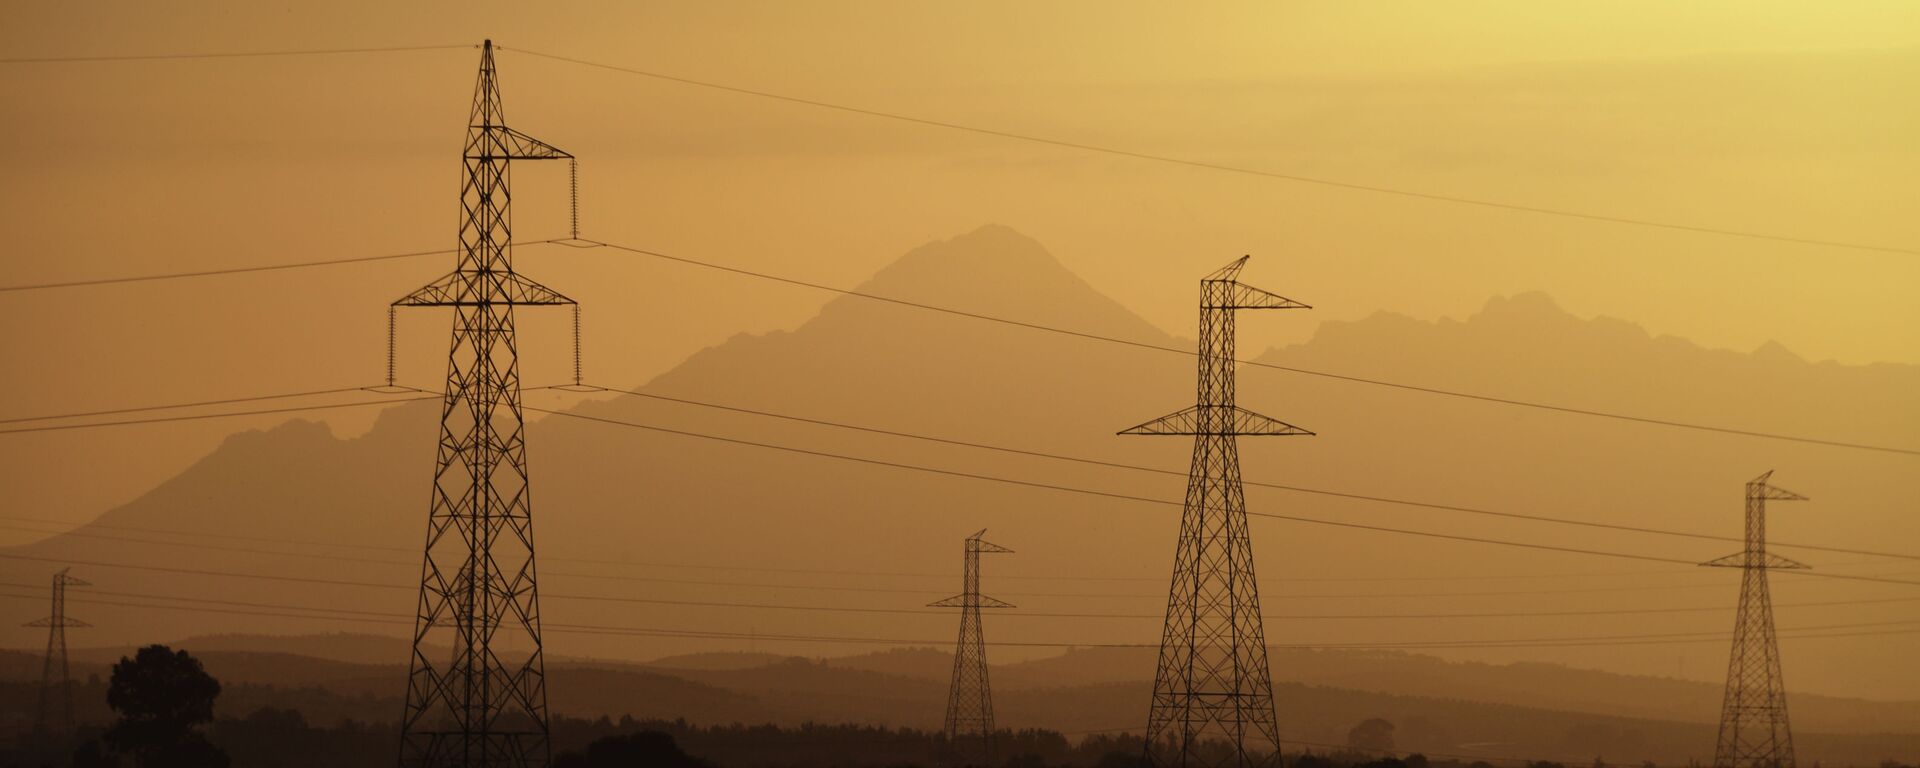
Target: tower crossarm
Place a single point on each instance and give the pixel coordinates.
(977, 544)
(1766, 560)
(1193, 421)
(498, 142)
(61, 621)
(1243, 296)
(1240, 296)
(960, 601)
(466, 288)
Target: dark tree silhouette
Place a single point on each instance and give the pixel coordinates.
(1371, 735)
(162, 695)
(92, 755)
(648, 748)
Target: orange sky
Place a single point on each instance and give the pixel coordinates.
(1795, 119)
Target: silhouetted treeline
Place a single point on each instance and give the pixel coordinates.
(283, 738)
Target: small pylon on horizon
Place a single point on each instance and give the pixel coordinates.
(970, 699)
(1753, 716)
(54, 720)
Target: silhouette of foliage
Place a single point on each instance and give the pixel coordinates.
(162, 695)
(92, 755)
(1371, 735)
(649, 748)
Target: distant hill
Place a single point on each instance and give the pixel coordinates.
(683, 545)
(793, 691)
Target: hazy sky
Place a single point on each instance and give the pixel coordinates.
(1789, 118)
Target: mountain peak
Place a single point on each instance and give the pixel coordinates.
(1773, 350)
(1527, 304)
(994, 252)
(997, 271)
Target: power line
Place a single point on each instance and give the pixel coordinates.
(245, 270)
(847, 609)
(976, 476)
(1081, 146)
(808, 587)
(955, 473)
(1156, 616)
(203, 416)
(1148, 500)
(1255, 363)
(1809, 632)
(1277, 486)
(228, 271)
(946, 441)
(227, 55)
(1191, 163)
(891, 610)
(1039, 327)
(176, 406)
(205, 572)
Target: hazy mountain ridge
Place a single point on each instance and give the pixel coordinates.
(606, 493)
(1575, 361)
(795, 691)
(912, 679)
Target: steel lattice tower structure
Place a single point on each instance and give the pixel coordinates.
(56, 697)
(970, 700)
(1753, 719)
(1213, 695)
(485, 704)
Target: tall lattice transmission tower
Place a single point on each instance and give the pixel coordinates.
(476, 687)
(1213, 695)
(55, 718)
(1753, 719)
(970, 700)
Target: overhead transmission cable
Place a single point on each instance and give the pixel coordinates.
(977, 476)
(204, 416)
(1212, 166)
(1254, 363)
(1809, 632)
(1150, 500)
(1271, 593)
(1276, 486)
(956, 473)
(1052, 329)
(1011, 135)
(224, 271)
(226, 55)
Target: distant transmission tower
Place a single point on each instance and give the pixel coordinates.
(483, 701)
(56, 695)
(970, 700)
(1213, 696)
(1753, 719)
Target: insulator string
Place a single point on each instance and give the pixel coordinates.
(576, 345)
(573, 189)
(390, 345)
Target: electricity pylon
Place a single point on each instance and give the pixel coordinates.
(1753, 719)
(970, 700)
(56, 697)
(1213, 695)
(484, 703)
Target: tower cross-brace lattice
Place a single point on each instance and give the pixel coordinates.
(1753, 716)
(54, 720)
(1212, 693)
(476, 684)
(970, 699)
